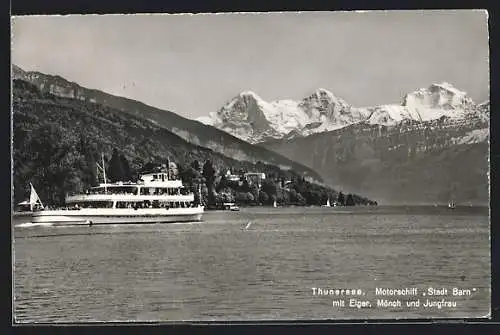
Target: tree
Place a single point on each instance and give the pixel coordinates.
(115, 169)
(150, 167)
(127, 172)
(349, 200)
(195, 165)
(189, 176)
(300, 199)
(254, 190)
(269, 187)
(89, 172)
(241, 197)
(197, 199)
(263, 198)
(223, 183)
(313, 197)
(245, 187)
(208, 172)
(341, 199)
(209, 175)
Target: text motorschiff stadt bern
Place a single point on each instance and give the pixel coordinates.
(407, 291)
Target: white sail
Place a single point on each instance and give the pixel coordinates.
(34, 198)
(274, 204)
(328, 202)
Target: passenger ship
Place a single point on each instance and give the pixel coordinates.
(155, 198)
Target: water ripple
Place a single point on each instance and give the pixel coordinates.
(217, 271)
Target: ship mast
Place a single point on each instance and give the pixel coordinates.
(168, 168)
(199, 191)
(104, 172)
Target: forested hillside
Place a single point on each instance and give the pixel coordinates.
(56, 142)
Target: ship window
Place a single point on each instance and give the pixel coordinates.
(123, 204)
(162, 177)
(97, 190)
(155, 176)
(96, 204)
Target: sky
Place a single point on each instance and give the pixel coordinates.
(194, 64)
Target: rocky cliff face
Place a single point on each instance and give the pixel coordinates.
(52, 84)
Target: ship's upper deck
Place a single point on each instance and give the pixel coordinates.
(160, 179)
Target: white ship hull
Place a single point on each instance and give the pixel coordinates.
(87, 216)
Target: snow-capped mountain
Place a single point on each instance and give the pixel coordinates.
(251, 118)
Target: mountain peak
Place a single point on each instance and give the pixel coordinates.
(448, 87)
(443, 96)
(324, 91)
(323, 99)
(251, 94)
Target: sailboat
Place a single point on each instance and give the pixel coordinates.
(275, 204)
(327, 203)
(27, 207)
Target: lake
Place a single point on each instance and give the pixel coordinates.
(217, 270)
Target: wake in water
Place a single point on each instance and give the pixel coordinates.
(182, 223)
(33, 224)
(47, 224)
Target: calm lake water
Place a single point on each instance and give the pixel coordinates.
(217, 270)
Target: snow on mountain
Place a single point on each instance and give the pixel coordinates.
(327, 112)
(205, 120)
(438, 100)
(443, 96)
(390, 115)
(252, 119)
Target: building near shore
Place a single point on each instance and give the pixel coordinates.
(255, 178)
(232, 177)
